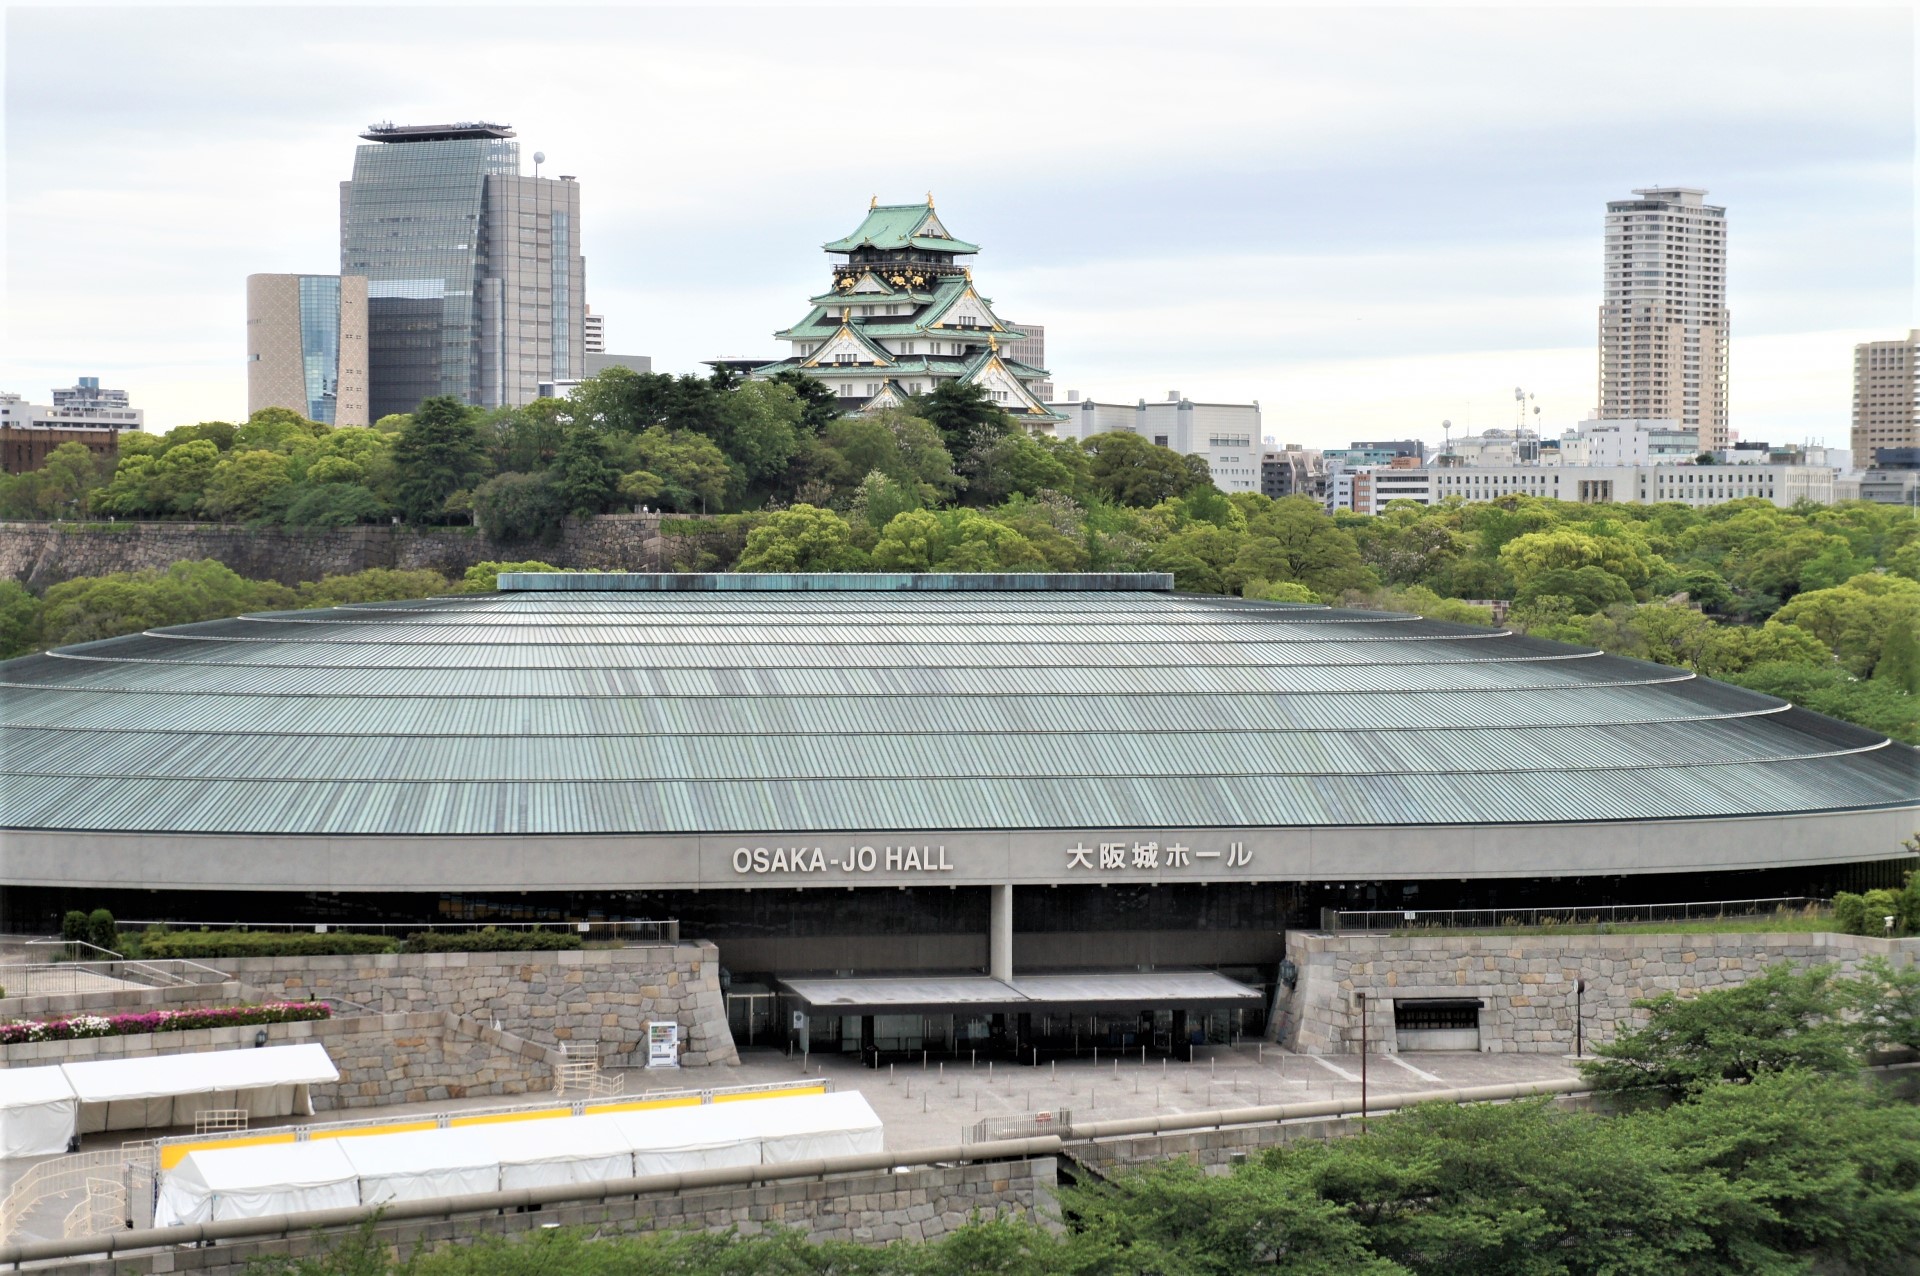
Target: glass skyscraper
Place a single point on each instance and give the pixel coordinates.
(475, 278)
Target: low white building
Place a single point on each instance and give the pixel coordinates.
(1696, 485)
(1227, 434)
(1636, 441)
(83, 405)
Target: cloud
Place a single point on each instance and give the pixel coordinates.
(1373, 213)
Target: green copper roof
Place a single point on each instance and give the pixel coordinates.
(898, 226)
(637, 705)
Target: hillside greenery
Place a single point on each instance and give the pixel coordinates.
(1819, 605)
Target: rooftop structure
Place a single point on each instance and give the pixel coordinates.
(389, 132)
(1228, 435)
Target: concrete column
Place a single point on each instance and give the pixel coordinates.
(1000, 932)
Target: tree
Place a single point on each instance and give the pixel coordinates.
(959, 410)
(512, 508)
(66, 480)
(242, 483)
(1780, 1020)
(1589, 588)
(904, 447)
(692, 472)
(819, 406)
(1128, 470)
(802, 539)
(953, 540)
(759, 430)
(1898, 664)
(1529, 555)
(998, 464)
(484, 578)
(438, 453)
(179, 476)
(1282, 591)
(622, 400)
(333, 505)
(19, 620)
(1294, 540)
(374, 585)
(91, 607)
(1856, 618)
(584, 481)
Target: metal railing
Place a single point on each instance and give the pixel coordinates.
(1400, 919)
(55, 978)
(641, 930)
(67, 1174)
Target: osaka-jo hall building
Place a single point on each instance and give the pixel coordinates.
(871, 778)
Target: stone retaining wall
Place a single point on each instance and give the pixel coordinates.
(1527, 982)
(919, 1205)
(602, 995)
(383, 1059)
(42, 554)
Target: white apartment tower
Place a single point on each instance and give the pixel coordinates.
(1663, 325)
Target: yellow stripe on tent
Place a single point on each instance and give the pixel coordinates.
(498, 1118)
(398, 1127)
(171, 1154)
(794, 1093)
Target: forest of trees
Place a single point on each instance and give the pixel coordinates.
(1818, 604)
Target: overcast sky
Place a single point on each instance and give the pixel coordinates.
(1367, 219)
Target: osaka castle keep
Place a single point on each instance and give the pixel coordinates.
(903, 316)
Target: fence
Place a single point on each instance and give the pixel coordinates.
(1032, 1125)
(131, 1165)
(632, 930)
(1401, 919)
(56, 978)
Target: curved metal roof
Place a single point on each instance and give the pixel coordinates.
(631, 705)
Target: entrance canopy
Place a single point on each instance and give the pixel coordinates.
(1103, 992)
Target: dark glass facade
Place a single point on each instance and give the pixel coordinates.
(412, 223)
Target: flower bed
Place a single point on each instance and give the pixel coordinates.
(161, 1021)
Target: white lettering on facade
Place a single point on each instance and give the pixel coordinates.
(809, 860)
(1150, 856)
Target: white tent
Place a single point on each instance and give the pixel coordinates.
(559, 1150)
(807, 1127)
(706, 1137)
(422, 1164)
(37, 1112)
(253, 1182)
(163, 1090)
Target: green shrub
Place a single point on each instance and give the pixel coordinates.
(490, 940)
(73, 926)
(101, 932)
(197, 945)
(1850, 913)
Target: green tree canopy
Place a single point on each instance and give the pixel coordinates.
(1128, 470)
(802, 539)
(438, 453)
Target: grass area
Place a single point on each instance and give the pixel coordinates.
(1796, 922)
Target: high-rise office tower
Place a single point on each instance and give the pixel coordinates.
(307, 346)
(1663, 324)
(476, 285)
(1886, 396)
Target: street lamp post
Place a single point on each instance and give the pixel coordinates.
(1579, 1018)
(1361, 999)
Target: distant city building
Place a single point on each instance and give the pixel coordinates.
(307, 346)
(476, 282)
(1293, 471)
(1395, 447)
(83, 413)
(1227, 434)
(85, 403)
(1695, 485)
(902, 316)
(594, 333)
(596, 364)
(1031, 349)
(1892, 486)
(1886, 396)
(1625, 441)
(1663, 322)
